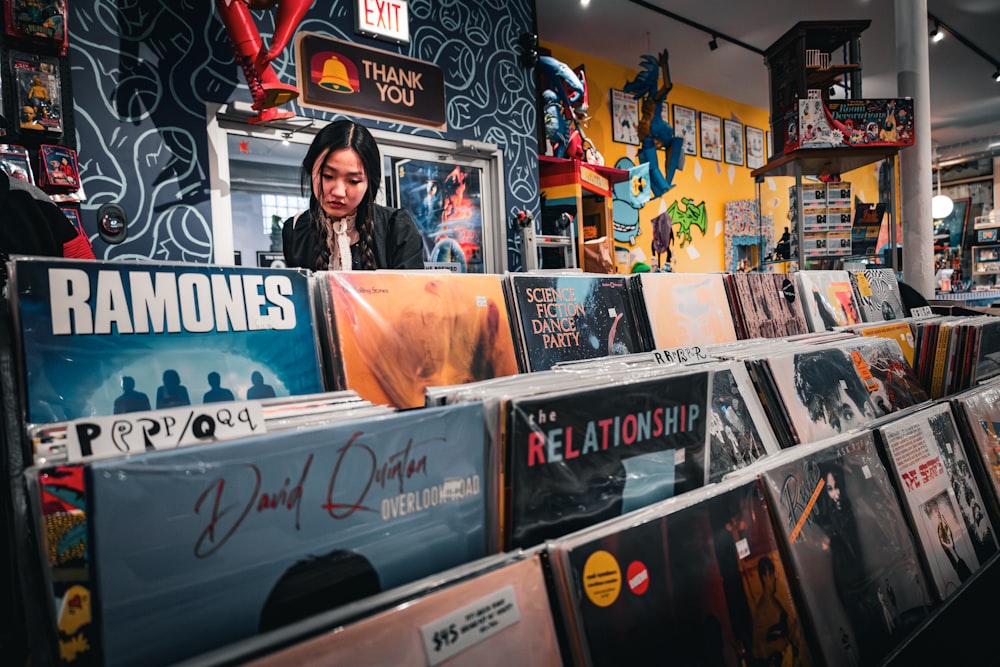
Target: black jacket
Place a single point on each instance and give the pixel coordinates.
(398, 244)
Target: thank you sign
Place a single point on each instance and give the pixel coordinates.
(334, 75)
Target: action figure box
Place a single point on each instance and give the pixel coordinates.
(821, 123)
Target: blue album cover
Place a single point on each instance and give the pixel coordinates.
(195, 548)
(577, 458)
(572, 317)
(99, 338)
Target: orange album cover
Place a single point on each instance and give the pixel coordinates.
(395, 333)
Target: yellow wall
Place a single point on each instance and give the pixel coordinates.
(701, 179)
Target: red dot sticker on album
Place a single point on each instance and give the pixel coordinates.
(602, 578)
(637, 576)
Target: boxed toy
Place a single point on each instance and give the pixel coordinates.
(849, 123)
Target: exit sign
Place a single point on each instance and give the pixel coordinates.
(383, 19)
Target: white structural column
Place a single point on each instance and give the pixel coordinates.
(913, 80)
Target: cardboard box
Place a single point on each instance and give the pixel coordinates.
(849, 123)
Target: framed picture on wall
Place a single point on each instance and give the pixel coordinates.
(735, 148)
(625, 118)
(711, 136)
(686, 126)
(755, 147)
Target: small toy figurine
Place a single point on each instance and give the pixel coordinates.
(266, 89)
(564, 99)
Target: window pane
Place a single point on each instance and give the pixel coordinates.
(275, 209)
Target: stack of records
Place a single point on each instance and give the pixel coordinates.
(827, 298)
(217, 543)
(699, 578)
(390, 334)
(817, 391)
(682, 308)
(848, 548)
(966, 351)
(877, 293)
(939, 495)
(765, 305)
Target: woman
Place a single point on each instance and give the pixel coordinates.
(344, 228)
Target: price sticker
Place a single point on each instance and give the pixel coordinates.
(451, 634)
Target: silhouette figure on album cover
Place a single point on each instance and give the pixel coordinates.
(258, 389)
(130, 400)
(217, 393)
(317, 584)
(171, 393)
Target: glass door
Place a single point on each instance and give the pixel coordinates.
(445, 198)
(451, 189)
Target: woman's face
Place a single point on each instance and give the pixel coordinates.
(340, 182)
(832, 490)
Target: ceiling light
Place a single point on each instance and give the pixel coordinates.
(714, 44)
(584, 3)
(937, 34)
(941, 205)
(284, 138)
(996, 74)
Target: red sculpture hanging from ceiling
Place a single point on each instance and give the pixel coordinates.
(267, 91)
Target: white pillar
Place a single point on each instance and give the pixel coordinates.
(913, 80)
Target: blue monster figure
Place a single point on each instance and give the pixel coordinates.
(624, 211)
(654, 131)
(563, 93)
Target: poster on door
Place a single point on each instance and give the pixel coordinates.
(444, 199)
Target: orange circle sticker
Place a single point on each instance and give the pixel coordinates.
(602, 578)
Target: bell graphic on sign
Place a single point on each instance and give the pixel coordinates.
(337, 73)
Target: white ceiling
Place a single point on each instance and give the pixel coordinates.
(965, 100)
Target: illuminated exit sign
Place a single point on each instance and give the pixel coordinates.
(383, 19)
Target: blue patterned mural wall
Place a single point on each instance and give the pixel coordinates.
(142, 72)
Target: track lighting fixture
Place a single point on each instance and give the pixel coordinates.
(714, 44)
(940, 28)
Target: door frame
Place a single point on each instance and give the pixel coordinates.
(234, 118)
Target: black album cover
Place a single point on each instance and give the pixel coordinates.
(565, 317)
(575, 458)
(848, 546)
(701, 581)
